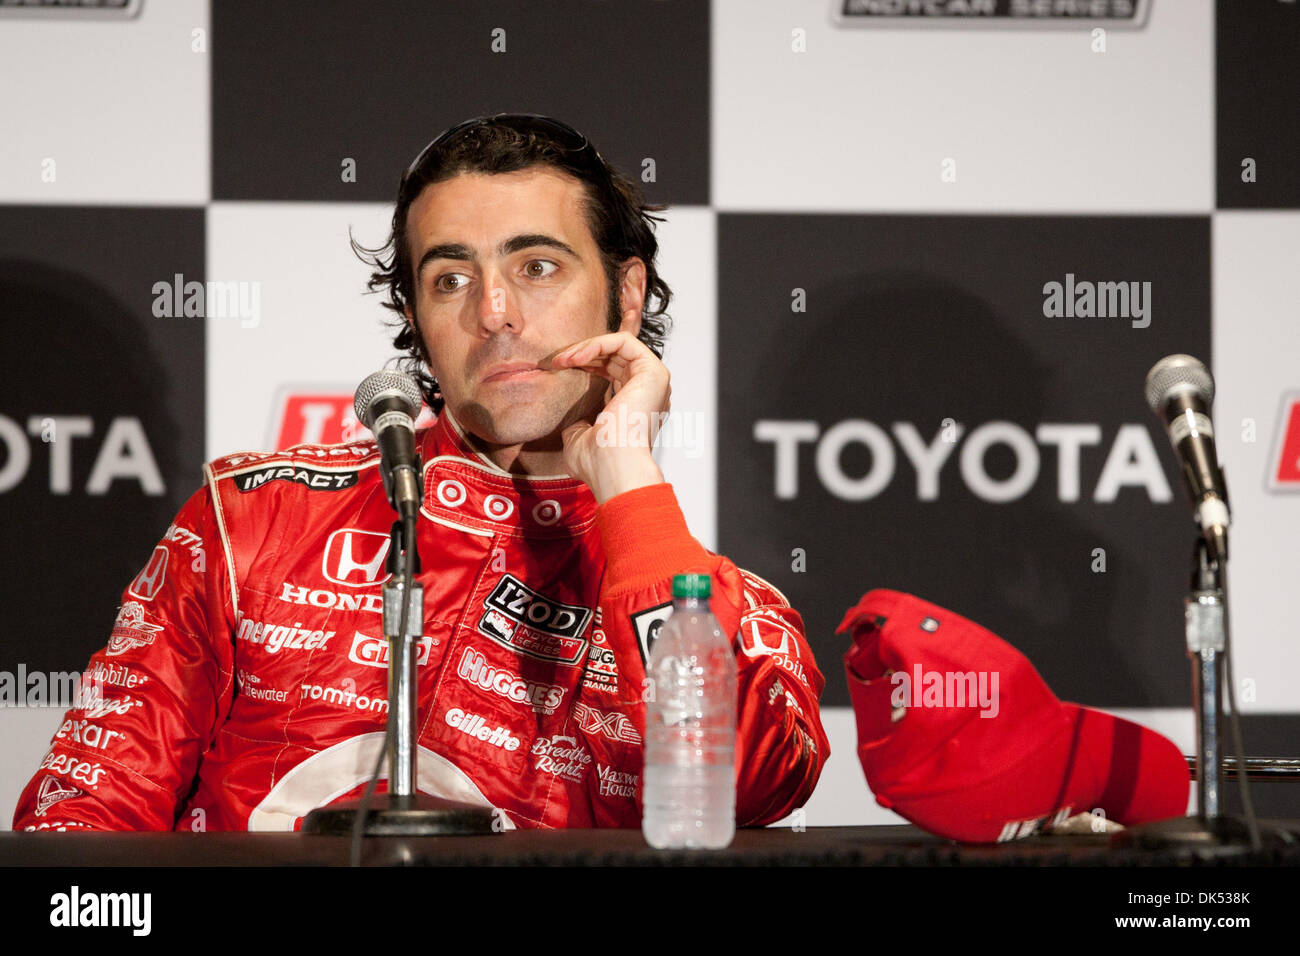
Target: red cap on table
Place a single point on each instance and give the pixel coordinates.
(1001, 765)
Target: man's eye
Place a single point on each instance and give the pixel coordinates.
(442, 282)
(540, 268)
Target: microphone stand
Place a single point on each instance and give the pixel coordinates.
(1209, 832)
(403, 810)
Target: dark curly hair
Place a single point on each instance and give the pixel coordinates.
(617, 214)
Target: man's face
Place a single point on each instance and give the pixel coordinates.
(507, 273)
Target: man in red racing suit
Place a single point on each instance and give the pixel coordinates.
(244, 683)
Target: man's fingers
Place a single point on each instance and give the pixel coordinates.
(599, 349)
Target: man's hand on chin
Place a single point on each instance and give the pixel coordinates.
(613, 455)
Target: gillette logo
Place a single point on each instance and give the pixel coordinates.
(475, 726)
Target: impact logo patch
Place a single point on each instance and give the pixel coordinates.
(313, 478)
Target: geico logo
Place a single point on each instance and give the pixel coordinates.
(123, 454)
(277, 636)
(1131, 460)
(475, 726)
(293, 594)
(342, 698)
(543, 698)
(373, 651)
(521, 603)
(74, 768)
(87, 734)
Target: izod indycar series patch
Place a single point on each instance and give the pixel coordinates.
(523, 620)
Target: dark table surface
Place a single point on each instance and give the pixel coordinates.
(815, 846)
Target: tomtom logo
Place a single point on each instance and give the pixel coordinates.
(355, 558)
(1132, 460)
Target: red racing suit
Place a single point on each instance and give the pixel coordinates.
(244, 683)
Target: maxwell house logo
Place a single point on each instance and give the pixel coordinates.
(1284, 475)
(528, 622)
(356, 558)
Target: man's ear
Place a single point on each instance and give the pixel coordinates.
(631, 292)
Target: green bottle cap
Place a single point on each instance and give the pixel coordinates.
(692, 586)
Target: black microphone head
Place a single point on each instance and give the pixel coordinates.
(1178, 373)
(386, 384)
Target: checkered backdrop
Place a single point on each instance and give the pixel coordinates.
(875, 383)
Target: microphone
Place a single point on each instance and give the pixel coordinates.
(387, 403)
(1180, 389)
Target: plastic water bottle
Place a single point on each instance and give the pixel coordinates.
(689, 794)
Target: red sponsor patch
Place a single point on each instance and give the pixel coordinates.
(1285, 473)
(323, 416)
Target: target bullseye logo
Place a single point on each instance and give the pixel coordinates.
(498, 507)
(546, 512)
(451, 493)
